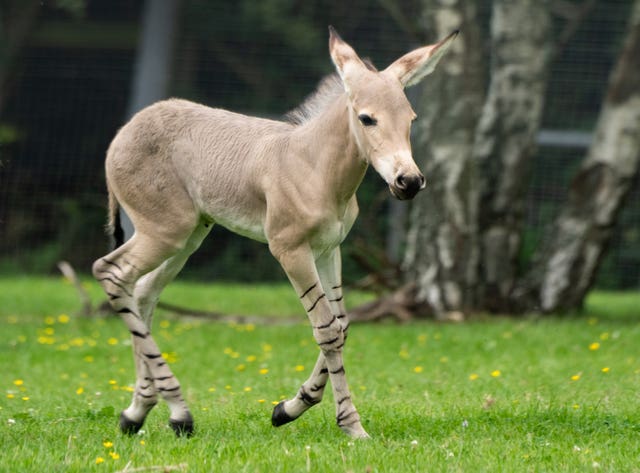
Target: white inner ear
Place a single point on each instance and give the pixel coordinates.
(427, 67)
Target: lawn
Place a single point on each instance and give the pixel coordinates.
(492, 394)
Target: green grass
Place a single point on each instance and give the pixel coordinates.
(493, 394)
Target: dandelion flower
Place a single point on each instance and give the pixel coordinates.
(263, 371)
(80, 390)
(114, 455)
(251, 358)
(594, 346)
(18, 382)
(107, 444)
(25, 398)
(473, 376)
(112, 341)
(606, 369)
(99, 460)
(299, 368)
(496, 373)
(63, 319)
(418, 369)
(576, 377)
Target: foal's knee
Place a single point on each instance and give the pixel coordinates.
(329, 336)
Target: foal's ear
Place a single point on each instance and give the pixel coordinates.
(412, 67)
(347, 62)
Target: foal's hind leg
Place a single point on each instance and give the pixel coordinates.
(118, 273)
(146, 294)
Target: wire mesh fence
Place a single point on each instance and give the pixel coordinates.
(71, 86)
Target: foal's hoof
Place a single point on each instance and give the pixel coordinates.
(279, 416)
(182, 427)
(128, 426)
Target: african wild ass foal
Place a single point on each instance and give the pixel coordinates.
(177, 168)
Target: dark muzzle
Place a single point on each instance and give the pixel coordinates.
(405, 187)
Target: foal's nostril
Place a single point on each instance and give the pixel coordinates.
(423, 181)
(400, 182)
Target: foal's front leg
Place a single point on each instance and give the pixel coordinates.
(329, 334)
(312, 390)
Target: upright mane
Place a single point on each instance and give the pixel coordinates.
(329, 89)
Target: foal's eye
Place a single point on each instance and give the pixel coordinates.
(367, 120)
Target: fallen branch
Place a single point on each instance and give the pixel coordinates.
(68, 272)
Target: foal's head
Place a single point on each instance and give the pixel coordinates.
(380, 115)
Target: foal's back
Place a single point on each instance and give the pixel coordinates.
(176, 155)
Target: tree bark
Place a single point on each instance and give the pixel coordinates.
(505, 139)
(440, 252)
(564, 269)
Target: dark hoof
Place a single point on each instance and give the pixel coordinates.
(128, 426)
(279, 416)
(182, 427)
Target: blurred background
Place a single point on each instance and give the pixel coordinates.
(73, 71)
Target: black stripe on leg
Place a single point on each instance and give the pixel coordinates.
(316, 302)
(126, 310)
(337, 300)
(338, 371)
(308, 290)
(307, 399)
(337, 287)
(163, 378)
(327, 325)
(342, 417)
(116, 284)
(344, 399)
(138, 334)
(329, 342)
(111, 263)
(152, 356)
(168, 390)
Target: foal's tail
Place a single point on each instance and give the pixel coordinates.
(114, 226)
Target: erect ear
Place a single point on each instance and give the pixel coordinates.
(412, 67)
(347, 62)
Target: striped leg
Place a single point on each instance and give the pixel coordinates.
(312, 390)
(118, 273)
(146, 294)
(329, 334)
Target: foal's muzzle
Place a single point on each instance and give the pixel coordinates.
(406, 186)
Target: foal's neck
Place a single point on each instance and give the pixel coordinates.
(330, 144)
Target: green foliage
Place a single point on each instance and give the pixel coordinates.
(491, 395)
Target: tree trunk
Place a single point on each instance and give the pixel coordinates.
(505, 139)
(564, 269)
(440, 251)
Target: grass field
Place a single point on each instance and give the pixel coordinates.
(493, 394)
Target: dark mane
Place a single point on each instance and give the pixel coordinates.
(329, 89)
